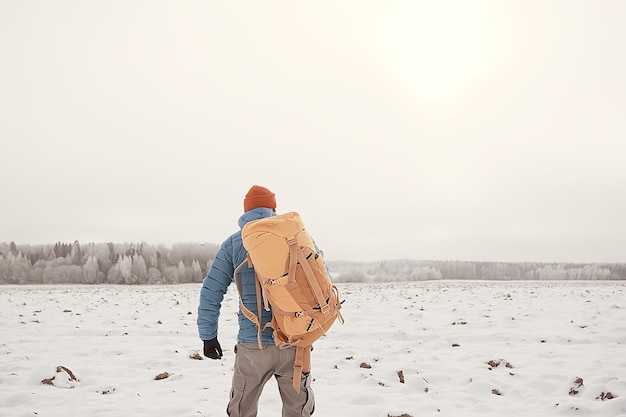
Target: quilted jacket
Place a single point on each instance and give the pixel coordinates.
(230, 255)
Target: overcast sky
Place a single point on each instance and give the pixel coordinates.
(469, 130)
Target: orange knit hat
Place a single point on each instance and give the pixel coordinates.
(259, 197)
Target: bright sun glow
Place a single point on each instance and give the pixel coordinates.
(436, 47)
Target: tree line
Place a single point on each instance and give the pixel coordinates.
(416, 270)
(142, 263)
(110, 263)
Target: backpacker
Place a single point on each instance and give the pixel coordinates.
(291, 276)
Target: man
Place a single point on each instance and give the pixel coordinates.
(253, 366)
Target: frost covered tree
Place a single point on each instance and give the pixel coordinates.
(154, 276)
(91, 271)
(19, 267)
(4, 270)
(354, 275)
(197, 271)
(139, 269)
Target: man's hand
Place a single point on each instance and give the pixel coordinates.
(212, 349)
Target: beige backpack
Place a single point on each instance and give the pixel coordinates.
(293, 280)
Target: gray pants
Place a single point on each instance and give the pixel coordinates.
(254, 367)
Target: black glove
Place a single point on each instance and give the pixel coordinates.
(212, 349)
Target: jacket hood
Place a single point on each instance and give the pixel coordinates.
(255, 214)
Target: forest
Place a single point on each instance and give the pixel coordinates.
(143, 263)
(110, 263)
(399, 270)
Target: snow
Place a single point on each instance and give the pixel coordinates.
(437, 348)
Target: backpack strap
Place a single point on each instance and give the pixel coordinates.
(293, 258)
(339, 315)
(302, 363)
(254, 318)
(317, 291)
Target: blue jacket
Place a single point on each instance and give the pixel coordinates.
(230, 255)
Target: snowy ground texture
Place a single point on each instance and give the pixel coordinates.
(439, 348)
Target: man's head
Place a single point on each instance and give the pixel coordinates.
(259, 197)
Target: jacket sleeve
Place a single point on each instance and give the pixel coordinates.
(214, 288)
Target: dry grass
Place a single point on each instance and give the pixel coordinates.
(60, 368)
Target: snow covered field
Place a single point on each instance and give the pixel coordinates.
(437, 348)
